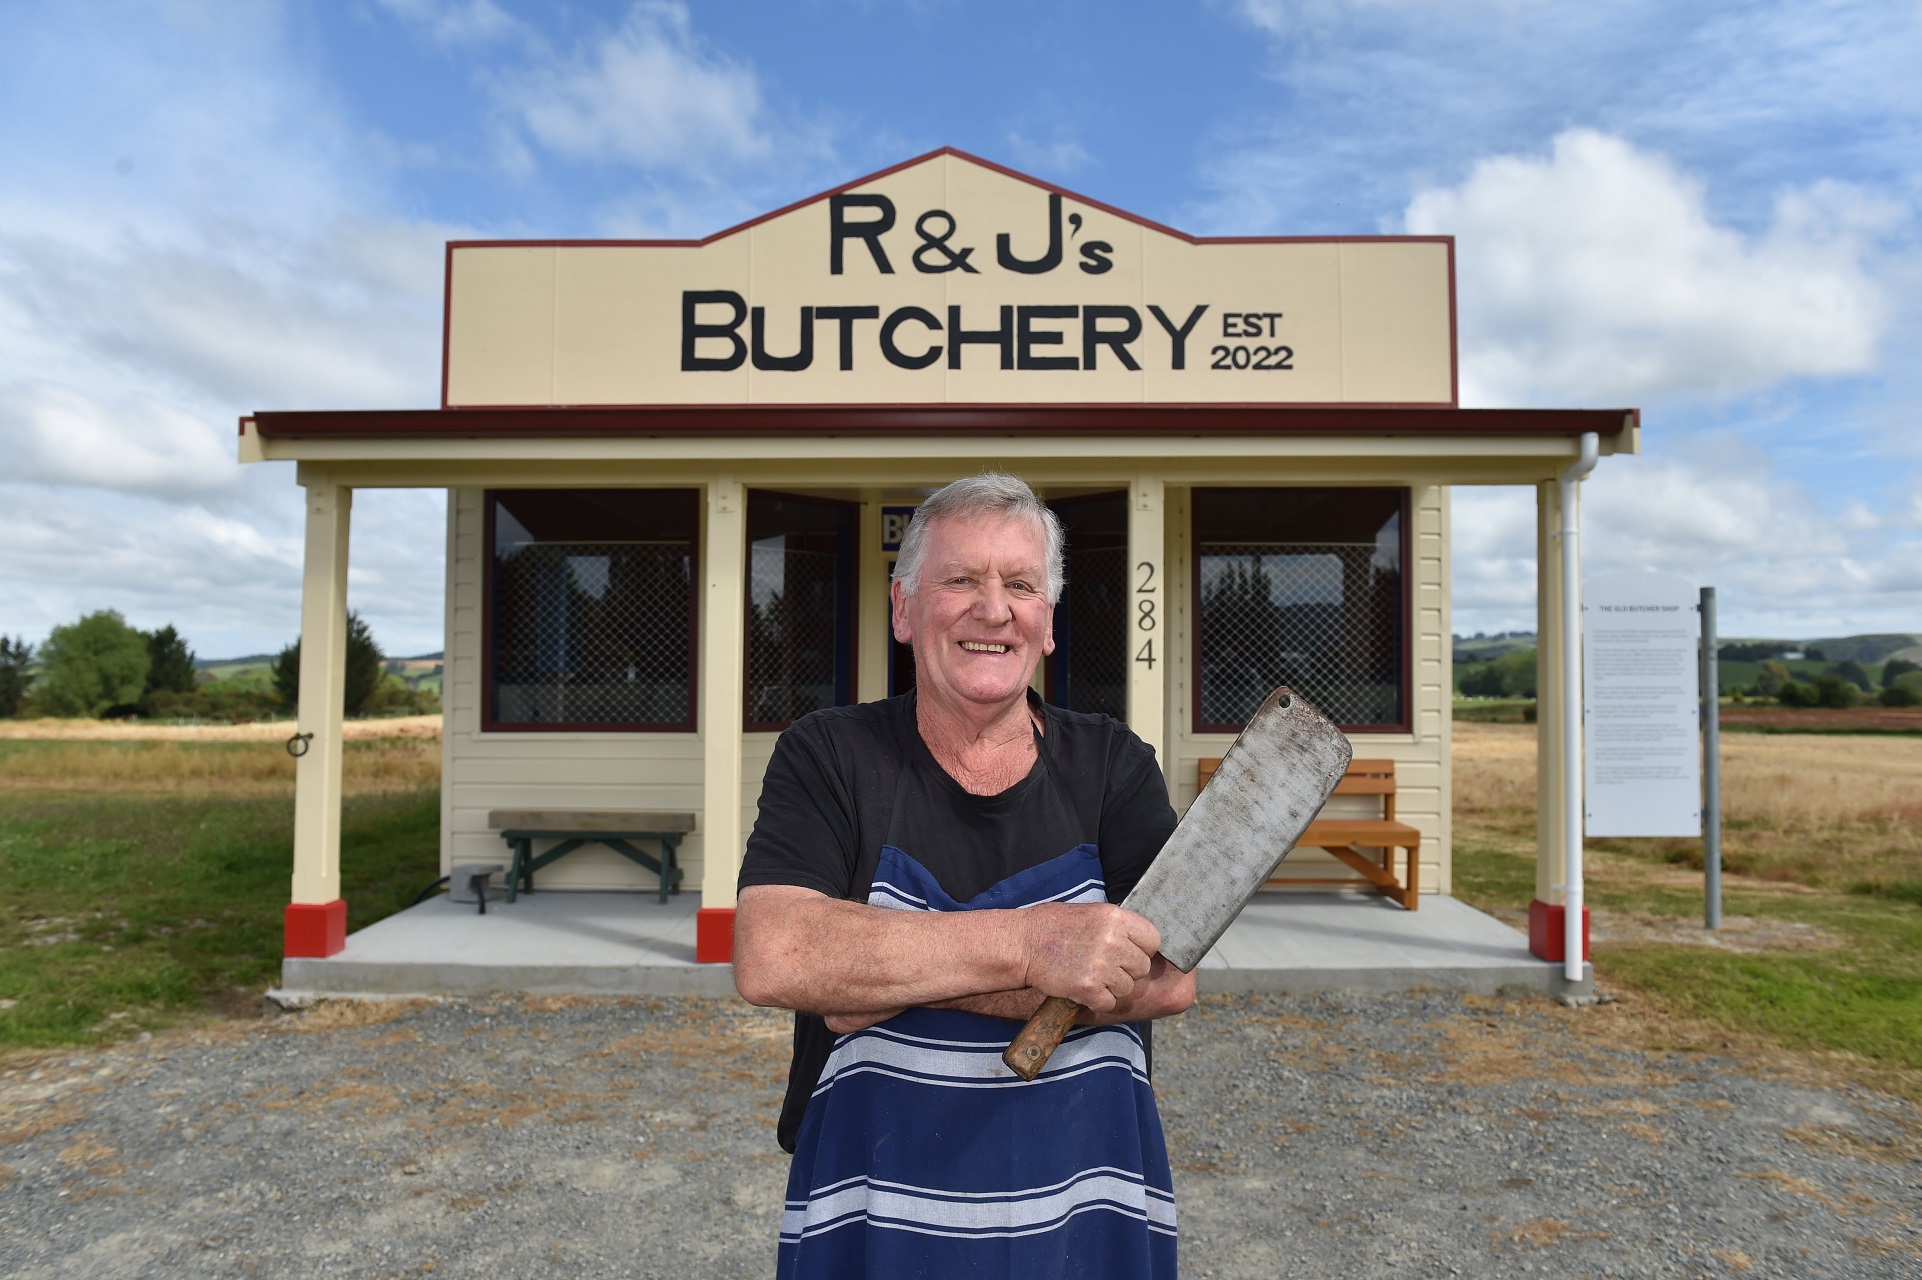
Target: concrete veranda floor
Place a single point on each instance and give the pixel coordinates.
(629, 944)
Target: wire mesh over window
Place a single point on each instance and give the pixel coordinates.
(1089, 668)
(1318, 604)
(800, 608)
(592, 601)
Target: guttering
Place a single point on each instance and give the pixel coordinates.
(1572, 797)
(970, 420)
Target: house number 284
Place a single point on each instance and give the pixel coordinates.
(1145, 613)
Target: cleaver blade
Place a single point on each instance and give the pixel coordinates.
(1268, 788)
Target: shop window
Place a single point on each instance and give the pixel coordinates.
(800, 607)
(1302, 587)
(590, 609)
(1088, 670)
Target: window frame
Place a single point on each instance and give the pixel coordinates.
(851, 637)
(489, 724)
(1405, 496)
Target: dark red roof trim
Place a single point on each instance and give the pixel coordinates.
(945, 419)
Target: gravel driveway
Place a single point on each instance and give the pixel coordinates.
(1406, 1136)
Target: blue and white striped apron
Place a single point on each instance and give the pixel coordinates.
(921, 1154)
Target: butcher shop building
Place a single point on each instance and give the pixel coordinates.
(678, 472)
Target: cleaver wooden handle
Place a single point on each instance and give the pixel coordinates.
(1041, 1037)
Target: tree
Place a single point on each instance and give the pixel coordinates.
(92, 665)
(1834, 691)
(365, 667)
(1510, 676)
(1825, 691)
(171, 662)
(1775, 676)
(15, 656)
(1793, 693)
(1895, 669)
(1853, 672)
(1753, 650)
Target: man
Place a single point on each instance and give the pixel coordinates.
(924, 872)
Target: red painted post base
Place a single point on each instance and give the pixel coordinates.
(714, 935)
(316, 930)
(1546, 940)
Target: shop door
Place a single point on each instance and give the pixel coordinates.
(800, 607)
(1088, 670)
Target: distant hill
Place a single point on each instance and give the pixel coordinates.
(1873, 648)
(252, 659)
(1486, 648)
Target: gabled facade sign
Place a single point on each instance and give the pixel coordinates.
(949, 280)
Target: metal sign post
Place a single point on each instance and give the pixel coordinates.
(1711, 765)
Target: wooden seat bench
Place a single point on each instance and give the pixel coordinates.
(1340, 836)
(575, 828)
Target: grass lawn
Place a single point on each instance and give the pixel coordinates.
(143, 883)
(1823, 858)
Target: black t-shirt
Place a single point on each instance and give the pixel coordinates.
(845, 781)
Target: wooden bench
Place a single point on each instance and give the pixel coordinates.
(575, 828)
(1340, 836)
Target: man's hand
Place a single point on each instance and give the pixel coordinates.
(1092, 953)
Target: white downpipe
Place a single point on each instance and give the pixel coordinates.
(1572, 797)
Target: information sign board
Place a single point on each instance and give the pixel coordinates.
(1640, 638)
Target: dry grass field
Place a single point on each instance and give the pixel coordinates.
(382, 757)
(51, 730)
(1826, 811)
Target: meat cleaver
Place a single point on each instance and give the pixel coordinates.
(1269, 787)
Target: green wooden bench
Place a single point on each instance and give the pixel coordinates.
(576, 828)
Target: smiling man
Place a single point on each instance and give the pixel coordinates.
(924, 872)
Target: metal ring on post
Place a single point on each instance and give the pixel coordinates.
(298, 744)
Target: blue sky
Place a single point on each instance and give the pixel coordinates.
(1707, 211)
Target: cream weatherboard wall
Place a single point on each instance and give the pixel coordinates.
(506, 770)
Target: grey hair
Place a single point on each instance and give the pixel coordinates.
(992, 493)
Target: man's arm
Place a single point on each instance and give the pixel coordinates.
(795, 948)
(1165, 992)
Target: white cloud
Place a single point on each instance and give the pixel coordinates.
(1717, 512)
(55, 434)
(475, 22)
(126, 359)
(234, 258)
(219, 577)
(1290, 18)
(1596, 275)
(647, 93)
(1719, 502)
(1492, 563)
(229, 579)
